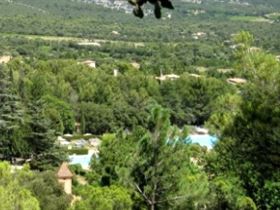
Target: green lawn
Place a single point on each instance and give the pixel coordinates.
(249, 19)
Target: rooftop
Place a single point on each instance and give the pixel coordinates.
(64, 172)
(236, 80)
(135, 65)
(168, 77)
(195, 75)
(89, 63)
(5, 59)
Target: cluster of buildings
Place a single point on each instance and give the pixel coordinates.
(126, 7)
(193, 1)
(92, 64)
(115, 4)
(78, 143)
(232, 80)
(81, 149)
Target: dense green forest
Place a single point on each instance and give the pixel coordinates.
(152, 81)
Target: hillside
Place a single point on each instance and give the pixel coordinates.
(86, 20)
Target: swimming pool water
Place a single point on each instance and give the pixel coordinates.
(83, 160)
(203, 140)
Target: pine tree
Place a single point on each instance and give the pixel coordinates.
(157, 167)
(44, 152)
(11, 117)
(249, 146)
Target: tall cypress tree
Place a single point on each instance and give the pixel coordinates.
(83, 122)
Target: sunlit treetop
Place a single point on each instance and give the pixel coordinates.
(158, 4)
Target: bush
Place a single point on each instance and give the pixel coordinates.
(78, 151)
(246, 203)
(77, 169)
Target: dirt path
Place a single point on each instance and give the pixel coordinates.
(80, 41)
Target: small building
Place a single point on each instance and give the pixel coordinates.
(237, 46)
(168, 77)
(5, 59)
(135, 65)
(80, 143)
(201, 131)
(68, 135)
(115, 72)
(60, 138)
(95, 142)
(195, 75)
(199, 35)
(65, 176)
(236, 81)
(115, 33)
(62, 141)
(89, 63)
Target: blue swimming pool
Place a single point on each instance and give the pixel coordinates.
(83, 160)
(203, 140)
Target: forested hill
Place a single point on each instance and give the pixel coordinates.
(196, 33)
(81, 19)
(263, 4)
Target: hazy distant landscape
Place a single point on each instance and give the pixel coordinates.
(102, 110)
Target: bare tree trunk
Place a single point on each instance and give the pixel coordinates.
(153, 201)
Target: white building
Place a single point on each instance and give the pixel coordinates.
(95, 142)
(168, 77)
(236, 80)
(89, 63)
(5, 59)
(62, 141)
